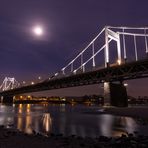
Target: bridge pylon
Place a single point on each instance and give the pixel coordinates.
(109, 34)
(115, 94)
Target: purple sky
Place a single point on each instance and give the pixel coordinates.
(69, 25)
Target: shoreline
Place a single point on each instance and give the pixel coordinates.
(134, 111)
(12, 138)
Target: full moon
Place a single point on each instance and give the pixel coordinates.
(38, 30)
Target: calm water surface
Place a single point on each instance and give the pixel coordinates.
(67, 119)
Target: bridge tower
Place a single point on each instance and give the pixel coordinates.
(114, 93)
(109, 34)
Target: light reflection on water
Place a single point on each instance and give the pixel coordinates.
(66, 119)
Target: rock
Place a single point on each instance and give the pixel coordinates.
(52, 134)
(130, 135)
(123, 136)
(59, 135)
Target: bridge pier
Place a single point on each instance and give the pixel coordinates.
(6, 99)
(115, 94)
(107, 98)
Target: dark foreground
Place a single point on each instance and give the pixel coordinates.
(11, 138)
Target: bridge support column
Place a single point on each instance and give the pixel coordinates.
(1, 99)
(7, 99)
(107, 98)
(115, 94)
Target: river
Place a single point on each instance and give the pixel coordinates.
(67, 119)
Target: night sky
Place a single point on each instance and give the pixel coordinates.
(68, 27)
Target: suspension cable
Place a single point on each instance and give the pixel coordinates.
(93, 52)
(124, 45)
(82, 61)
(136, 56)
(146, 46)
(93, 55)
(84, 49)
(71, 67)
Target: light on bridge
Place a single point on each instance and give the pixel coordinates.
(32, 83)
(56, 74)
(125, 84)
(74, 71)
(24, 82)
(39, 78)
(29, 96)
(119, 62)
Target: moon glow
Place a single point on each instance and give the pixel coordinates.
(38, 30)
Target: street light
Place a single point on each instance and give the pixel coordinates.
(24, 82)
(32, 83)
(119, 62)
(125, 84)
(39, 78)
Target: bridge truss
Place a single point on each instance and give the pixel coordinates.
(8, 84)
(123, 72)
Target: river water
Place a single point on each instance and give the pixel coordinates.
(68, 120)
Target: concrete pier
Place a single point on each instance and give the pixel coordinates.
(115, 94)
(7, 99)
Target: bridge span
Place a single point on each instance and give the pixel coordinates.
(112, 74)
(118, 73)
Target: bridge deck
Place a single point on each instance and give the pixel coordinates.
(133, 70)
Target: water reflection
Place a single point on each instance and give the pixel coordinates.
(6, 115)
(29, 122)
(47, 122)
(116, 126)
(65, 119)
(20, 108)
(106, 124)
(124, 125)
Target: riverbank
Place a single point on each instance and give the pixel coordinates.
(11, 138)
(136, 111)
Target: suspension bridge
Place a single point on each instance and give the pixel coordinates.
(114, 55)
